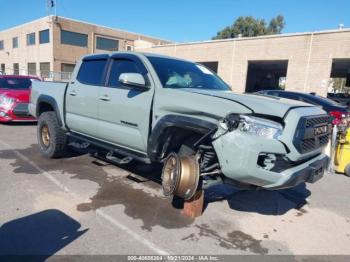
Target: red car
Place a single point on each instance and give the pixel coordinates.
(14, 98)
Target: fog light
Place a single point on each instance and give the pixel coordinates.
(267, 161)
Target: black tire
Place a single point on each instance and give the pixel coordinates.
(347, 170)
(52, 138)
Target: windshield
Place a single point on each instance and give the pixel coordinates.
(15, 83)
(181, 74)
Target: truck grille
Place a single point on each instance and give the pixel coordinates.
(312, 133)
(21, 110)
(316, 121)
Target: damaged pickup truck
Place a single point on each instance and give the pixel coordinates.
(130, 106)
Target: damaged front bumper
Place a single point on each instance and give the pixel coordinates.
(240, 157)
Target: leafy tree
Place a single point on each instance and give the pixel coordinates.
(247, 26)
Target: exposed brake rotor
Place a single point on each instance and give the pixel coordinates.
(180, 176)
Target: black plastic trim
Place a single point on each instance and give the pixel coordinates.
(310, 174)
(51, 101)
(96, 57)
(110, 147)
(158, 135)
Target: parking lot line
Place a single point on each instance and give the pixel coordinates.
(152, 246)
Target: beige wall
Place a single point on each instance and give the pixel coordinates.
(26, 54)
(309, 56)
(70, 54)
(54, 52)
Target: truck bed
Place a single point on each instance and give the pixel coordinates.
(47, 91)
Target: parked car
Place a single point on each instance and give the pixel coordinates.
(14, 98)
(152, 108)
(334, 109)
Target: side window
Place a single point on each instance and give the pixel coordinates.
(119, 67)
(91, 72)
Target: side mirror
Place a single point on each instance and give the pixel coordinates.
(133, 79)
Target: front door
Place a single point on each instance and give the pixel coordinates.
(124, 111)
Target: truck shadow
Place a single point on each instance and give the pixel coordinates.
(41, 235)
(277, 202)
(264, 202)
(112, 191)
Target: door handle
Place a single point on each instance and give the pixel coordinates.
(105, 98)
(72, 93)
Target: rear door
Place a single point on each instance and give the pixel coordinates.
(124, 111)
(82, 96)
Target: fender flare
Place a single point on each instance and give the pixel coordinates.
(158, 136)
(52, 102)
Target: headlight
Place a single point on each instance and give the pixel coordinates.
(6, 102)
(260, 127)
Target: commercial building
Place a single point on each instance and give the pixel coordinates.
(307, 62)
(49, 47)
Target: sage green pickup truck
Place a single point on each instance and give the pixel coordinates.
(129, 106)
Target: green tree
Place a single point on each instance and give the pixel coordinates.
(247, 26)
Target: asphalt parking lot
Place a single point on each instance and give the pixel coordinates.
(81, 205)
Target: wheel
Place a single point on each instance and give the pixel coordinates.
(51, 137)
(347, 170)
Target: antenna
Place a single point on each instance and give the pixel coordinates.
(51, 7)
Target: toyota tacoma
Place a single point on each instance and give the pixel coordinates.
(130, 106)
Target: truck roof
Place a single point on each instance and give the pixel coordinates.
(145, 54)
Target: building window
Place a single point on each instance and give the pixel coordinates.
(1, 44)
(15, 42)
(32, 69)
(72, 38)
(31, 39)
(67, 68)
(2, 69)
(44, 36)
(66, 71)
(16, 69)
(106, 44)
(45, 69)
(129, 48)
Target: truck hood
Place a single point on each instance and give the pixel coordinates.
(259, 104)
(18, 95)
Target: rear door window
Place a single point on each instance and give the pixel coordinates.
(92, 72)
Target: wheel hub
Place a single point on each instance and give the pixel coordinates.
(45, 135)
(180, 176)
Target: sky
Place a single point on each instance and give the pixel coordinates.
(182, 20)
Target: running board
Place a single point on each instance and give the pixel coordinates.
(120, 161)
(109, 148)
(77, 145)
